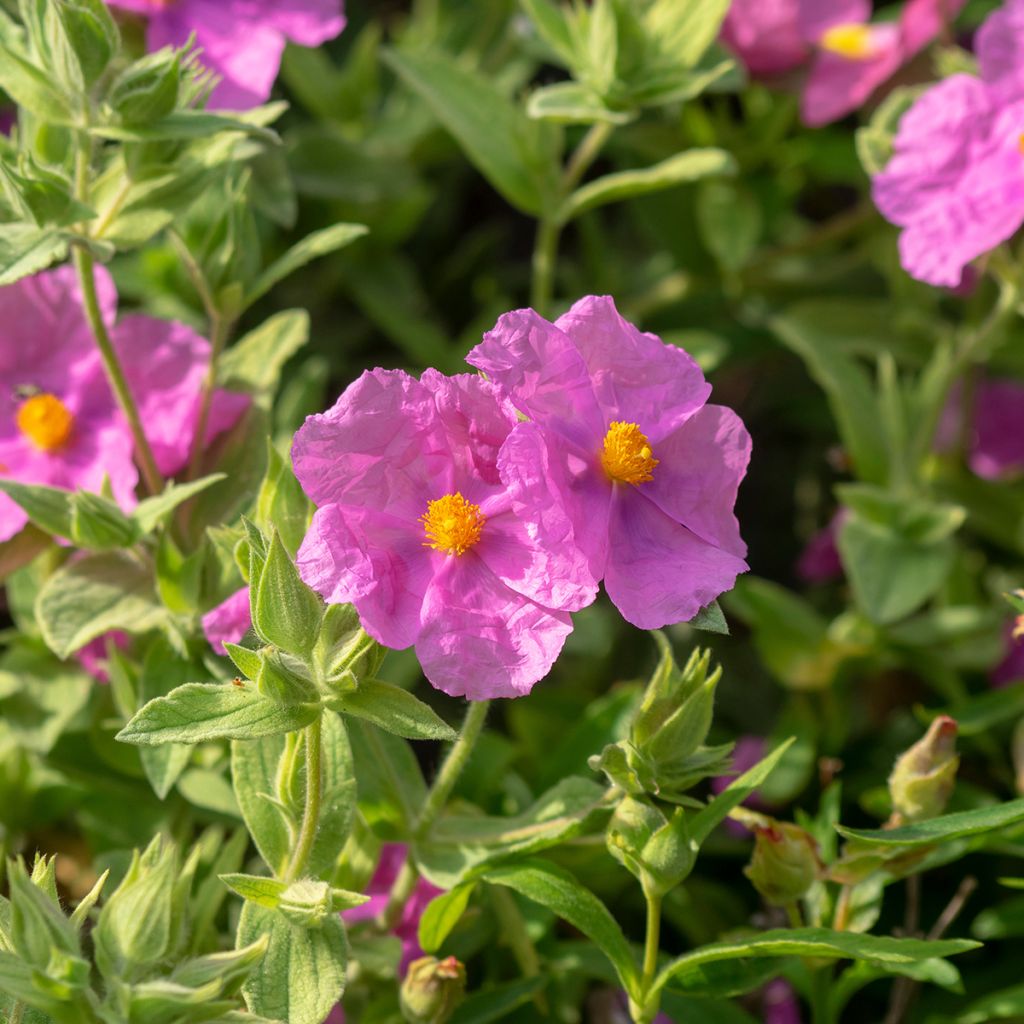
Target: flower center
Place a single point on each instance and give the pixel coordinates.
(627, 455)
(452, 524)
(46, 421)
(852, 41)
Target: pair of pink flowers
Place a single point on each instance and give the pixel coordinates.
(59, 422)
(456, 526)
(848, 55)
(241, 40)
(955, 183)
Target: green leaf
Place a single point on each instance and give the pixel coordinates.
(391, 786)
(553, 27)
(93, 595)
(259, 889)
(282, 503)
(26, 249)
(573, 103)
(48, 507)
(498, 1003)
(285, 612)
(302, 975)
(515, 154)
(686, 29)
(190, 124)
(943, 828)
(728, 216)
(150, 512)
(555, 888)
(815, 942)
(460, 842)
(734, 794)
(849, 390)
(711, 619)
(32, 89)
(442, 914)
(313, 246)
(254, 363)
(197, 712)
(683, 167)
(99, 524)
(395, 710)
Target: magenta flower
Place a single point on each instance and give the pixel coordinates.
(995, 440)
(416, 529)
(955, 183)
(59, 422)
(93, 657)
(819, 562)
(779, 1004)
(241, 40)
(229, 621)
(392, 857)
(623, 459)
(765, 35)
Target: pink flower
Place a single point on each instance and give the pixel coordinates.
(779, 1003)
(94, 655)
(229, 621)
(1011, 668)
(850, 56)
(623, 461)
(955, 183)
(995, 441)
(392, 857)
(59, 422)
(241, 40)
(416, 529)
(819, 561)
(749, 750)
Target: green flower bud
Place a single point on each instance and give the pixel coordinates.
(82, 33)
(307, 902)
(785, 862)
(923, 777)
(148, 89)
(432, 990)
(346, 651)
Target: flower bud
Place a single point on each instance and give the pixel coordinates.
(306, 902)
(82, 33)
(432, 990)
(785, 862)
(148, 89)
(923, 777)
(346, 651)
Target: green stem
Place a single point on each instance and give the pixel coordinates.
(550, 225)
(311, 814)
(513, 932)
(17, 1013)
(793, 915)
(821, 996)
(646, 1009)
(85, 267)
(220, 331)
(442, 788)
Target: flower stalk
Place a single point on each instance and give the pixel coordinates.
(311, 812)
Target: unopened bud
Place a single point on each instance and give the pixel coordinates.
(432, 990)
(785, 862)
(923, 777)
(306, 902)
(148, 89)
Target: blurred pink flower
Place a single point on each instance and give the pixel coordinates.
(850, 56)
(995, 441)
(819, 561)
(623, 461)
(242, 40)
(392, 857)
(93, 656)
(955, 183)
(59, 422)
(779, 1004)
(416, 529)
(749, 750)
(1011, 668)
(229, 621)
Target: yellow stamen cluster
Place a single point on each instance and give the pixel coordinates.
(452, 524)
(46, 421)
(852, 41)
(627, 455)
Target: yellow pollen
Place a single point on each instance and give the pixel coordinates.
(46, 421)
(627, 455)
(1018, 627)
(852, 41)
(452, 524)
(1020, 143)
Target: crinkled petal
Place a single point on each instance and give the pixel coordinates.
(838, 85)
(229, 621)
(637, 378)
(699, 473)
(659, 572)
(560, 498)
(372, 561)
(480, 639)
(381, 446)
(816, 17)
(307, 22)
(999, 46)
(544, 373)
(477, 417)
(765, 35)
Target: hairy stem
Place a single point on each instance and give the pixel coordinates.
(220, 331)
(311, 813)
(513, 932)
(442, 788)
(652, 941)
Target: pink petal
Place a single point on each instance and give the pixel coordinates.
(838, 85)
(229, 621)
(765, 35)
(816, 17)
(999, 45)
(543, 372)
(481, 639)
(307, 22)
(700, 469)
(636, 377)
(659, 572)
(922, 20)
